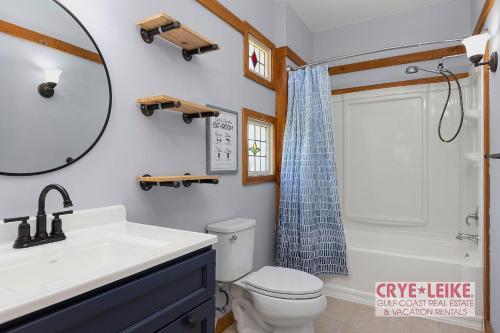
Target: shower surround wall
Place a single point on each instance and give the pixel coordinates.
(404, 193)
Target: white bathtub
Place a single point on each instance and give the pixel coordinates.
(376, 256)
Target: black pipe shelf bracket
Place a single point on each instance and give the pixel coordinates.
(188, 54)
(147, 182)
(149, 109)
(173, 31)
(199, 180)
(148, 35)
(190, 110)
(188, 117)
(147, 185)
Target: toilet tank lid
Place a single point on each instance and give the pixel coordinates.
(232, 225)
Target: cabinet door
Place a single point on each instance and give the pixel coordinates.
(200, 320)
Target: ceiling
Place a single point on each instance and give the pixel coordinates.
(321, 15)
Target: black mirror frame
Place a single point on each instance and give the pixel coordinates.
(72, 161)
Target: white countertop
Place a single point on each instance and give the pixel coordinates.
(101, 247)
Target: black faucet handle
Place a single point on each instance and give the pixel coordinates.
(23, 231)
(57, 224)
(66, 212)
(23, 219)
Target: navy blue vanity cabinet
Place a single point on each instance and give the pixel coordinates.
(200, 320)
(177, 296)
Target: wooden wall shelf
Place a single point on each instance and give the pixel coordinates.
(190, 110)
(146, 182)
(173, 31)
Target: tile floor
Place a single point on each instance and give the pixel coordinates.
(346, 317)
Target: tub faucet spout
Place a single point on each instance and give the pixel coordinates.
(462, 236)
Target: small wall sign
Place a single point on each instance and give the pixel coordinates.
(222, 142)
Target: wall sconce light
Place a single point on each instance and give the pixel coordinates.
(52, 79)
(475, 46)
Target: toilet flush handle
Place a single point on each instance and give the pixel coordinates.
(234, 238)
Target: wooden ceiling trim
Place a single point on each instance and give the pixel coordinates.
(433, 79)
(397, 60)
(488, 4)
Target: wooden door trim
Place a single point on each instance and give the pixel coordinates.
(286, 51)
(483, 16)
(224, 14)
(224, 322)
(486, 190)
(281, 87)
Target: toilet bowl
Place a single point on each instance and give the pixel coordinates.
(277, 300)
(272, 299)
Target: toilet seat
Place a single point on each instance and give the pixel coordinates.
(285, 283)
(283, 296)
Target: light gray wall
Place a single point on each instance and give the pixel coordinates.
(163, 144)
(278, 21)
(259, 13)
(45, 17)
(444, 21)
(475, 6)
(493, 24)
(295, 33)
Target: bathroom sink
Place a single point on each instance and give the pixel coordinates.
(56, 269)
(103, 250)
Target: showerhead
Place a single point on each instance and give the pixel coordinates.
(446, 73)
(411, 70)
(416, 69)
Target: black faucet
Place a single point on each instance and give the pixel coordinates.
(41, 237)
(41, 216)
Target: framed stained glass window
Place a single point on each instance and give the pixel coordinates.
(258, 55)
(259, 150)
(258, 147)
(259, 58)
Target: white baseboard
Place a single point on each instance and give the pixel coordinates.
(366, 298)
(351, 295)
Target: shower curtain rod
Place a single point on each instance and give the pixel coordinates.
(324, 61)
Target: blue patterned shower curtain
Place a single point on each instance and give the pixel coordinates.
(311, 234)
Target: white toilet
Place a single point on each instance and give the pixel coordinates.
(271, 300)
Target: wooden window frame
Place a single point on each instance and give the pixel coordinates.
(250, 30)
(246, 178)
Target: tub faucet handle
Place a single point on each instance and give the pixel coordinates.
(474, 216)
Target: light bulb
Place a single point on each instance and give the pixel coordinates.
(46, 89)
(52, 75)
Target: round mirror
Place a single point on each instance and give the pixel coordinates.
(55, 90)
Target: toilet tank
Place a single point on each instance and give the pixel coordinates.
(234, 249)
